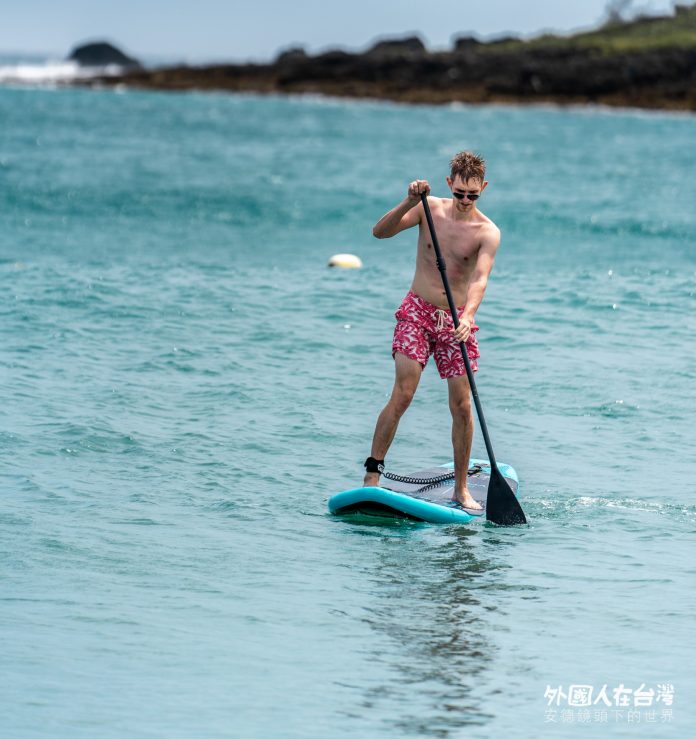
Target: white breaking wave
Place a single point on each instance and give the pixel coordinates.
(51, 72)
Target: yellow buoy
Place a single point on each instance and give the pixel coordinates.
(345, 261)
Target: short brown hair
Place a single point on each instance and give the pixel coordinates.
(468, 166)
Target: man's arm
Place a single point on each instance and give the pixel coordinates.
(406, 214)
(479, 281)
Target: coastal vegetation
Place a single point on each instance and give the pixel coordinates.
(643, 33)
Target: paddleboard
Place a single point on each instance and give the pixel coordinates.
(420, 502)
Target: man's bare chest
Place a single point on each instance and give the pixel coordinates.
(458, 243)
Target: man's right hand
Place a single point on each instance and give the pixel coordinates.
(415, 189)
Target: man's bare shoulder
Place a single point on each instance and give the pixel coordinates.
(443, 205)
(489, 231)
(485, 220)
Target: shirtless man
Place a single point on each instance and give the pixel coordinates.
(468, 241)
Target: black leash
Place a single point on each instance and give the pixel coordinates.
(377, 465)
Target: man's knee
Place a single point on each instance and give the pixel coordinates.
(402, 396)
(461, 407)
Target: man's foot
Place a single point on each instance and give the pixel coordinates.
(371, 480)
(466, 501)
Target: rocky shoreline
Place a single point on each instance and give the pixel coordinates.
(563, 70)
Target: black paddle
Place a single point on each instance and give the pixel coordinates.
(502, 507)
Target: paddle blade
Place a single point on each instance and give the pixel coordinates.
(502, 507)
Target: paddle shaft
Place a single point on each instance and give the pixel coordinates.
(455, 319)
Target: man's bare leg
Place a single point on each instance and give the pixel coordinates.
(462, 437)
(408, 374)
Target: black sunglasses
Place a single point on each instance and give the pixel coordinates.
(470, 195)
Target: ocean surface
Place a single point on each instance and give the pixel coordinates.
(184, 383)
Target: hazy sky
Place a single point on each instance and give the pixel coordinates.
(214, 29)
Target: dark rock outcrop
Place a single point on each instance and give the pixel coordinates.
(101, 54)
(293, 54)
(466, 43)
(410, 47)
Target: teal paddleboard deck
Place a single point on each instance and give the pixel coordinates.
(421, 502)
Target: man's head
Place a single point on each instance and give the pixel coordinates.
(467, 178)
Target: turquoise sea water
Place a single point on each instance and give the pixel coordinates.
(184, 383)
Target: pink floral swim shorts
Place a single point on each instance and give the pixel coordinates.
(423, 329)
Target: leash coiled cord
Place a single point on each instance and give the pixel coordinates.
(417, 480)
(428, 482)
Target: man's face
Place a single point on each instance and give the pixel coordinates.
(470, 187)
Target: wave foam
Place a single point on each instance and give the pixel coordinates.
(52, 72)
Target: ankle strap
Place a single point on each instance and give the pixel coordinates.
(374, 465)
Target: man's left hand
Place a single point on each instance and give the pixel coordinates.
(463, 331)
